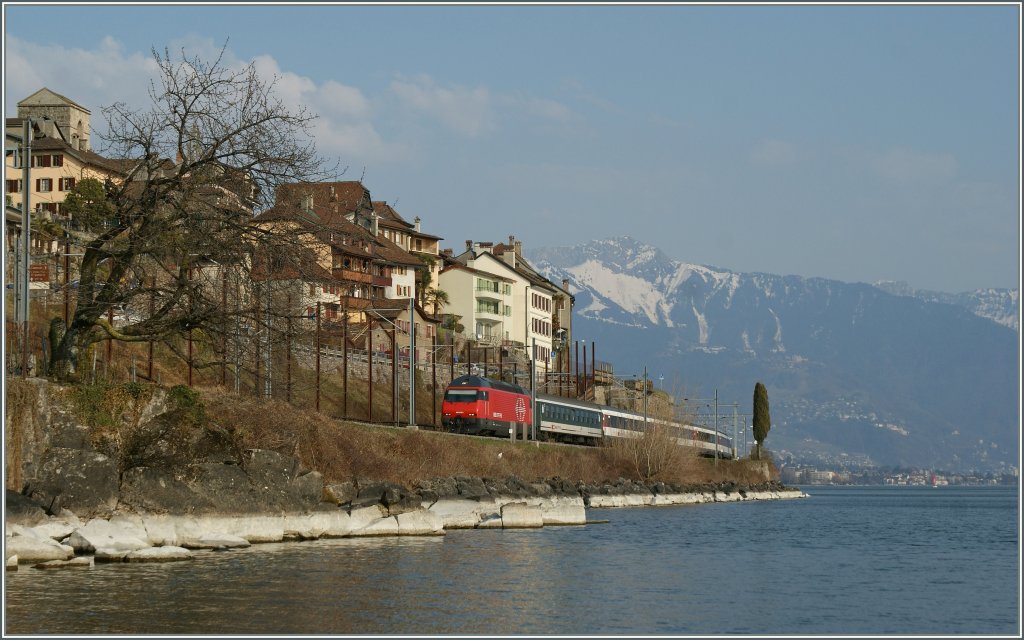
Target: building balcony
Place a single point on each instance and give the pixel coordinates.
(354, 303)
(493, 316)
(352, 276)
(487, 294)
(382, 281)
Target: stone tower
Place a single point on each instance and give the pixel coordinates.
(71, 117)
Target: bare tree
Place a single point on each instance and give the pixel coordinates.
(654, 453)
(232, 143)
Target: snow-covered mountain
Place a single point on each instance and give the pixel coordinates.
(852, 370)
(998, 305)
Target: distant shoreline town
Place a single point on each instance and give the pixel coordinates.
(796, 475)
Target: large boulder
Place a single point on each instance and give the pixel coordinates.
(22, 510)
(30, 548)
(340, 492)
(336, 523)
(66, 430)
(85, 482)
(279, 483)
(519, 515)
(471, 488)
(102, 535)
(457, 513)
(420, 523)
(199, 489)
(372, 492)
(159, 554)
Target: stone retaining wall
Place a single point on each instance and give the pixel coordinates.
(63, 541)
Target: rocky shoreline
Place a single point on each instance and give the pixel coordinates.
(148, 482)
(63, 540)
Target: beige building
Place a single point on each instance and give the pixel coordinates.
(61, 157)
(502, 300)
(411, 238)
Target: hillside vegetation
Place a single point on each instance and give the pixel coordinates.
(346, 450)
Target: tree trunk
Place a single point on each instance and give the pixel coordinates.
(69, 343)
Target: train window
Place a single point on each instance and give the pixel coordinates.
(461, 395)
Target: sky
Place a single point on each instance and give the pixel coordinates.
(857, 143)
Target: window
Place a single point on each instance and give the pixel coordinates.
(66, 184)
(42, 161)
(58, 160)
(44, 184)
(13, 186)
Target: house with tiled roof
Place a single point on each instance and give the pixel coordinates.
(480, 294)
(413, 239)
(391, 329)
(336, 221)
(562, 300)
(60, 159)
(503, 300)
(56, 167)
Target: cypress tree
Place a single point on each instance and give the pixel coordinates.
(762, 419)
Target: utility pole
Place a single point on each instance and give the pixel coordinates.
(533, 393)
(26, 245)
(412, 363)
(268, 356)
(735, 433)
(716, 427)
(645, 398)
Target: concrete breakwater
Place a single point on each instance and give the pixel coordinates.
(66, 541)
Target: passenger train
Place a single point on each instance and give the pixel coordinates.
(482, 406)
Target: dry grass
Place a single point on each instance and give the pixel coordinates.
(346, 450)
(328, 441)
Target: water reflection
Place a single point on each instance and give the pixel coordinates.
(842, 562)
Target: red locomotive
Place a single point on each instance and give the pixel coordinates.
(480, 406)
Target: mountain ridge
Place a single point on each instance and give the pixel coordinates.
(853, 365)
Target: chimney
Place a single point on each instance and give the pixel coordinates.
(565, 284)
(307, 202)
(469, 245)
(374, 226)
(519, 248)
(416, 220)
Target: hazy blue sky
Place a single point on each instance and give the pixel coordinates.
(858, 143)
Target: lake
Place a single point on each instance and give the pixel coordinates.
(847, 560)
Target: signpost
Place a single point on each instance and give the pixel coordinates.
(39, 272)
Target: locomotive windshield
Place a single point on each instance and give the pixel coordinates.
(464, 395)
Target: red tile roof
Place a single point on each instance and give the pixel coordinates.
(387, 213)
(332, 201)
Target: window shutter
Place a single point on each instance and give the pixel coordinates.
(39, 184)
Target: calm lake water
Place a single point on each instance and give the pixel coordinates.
(847, 560)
